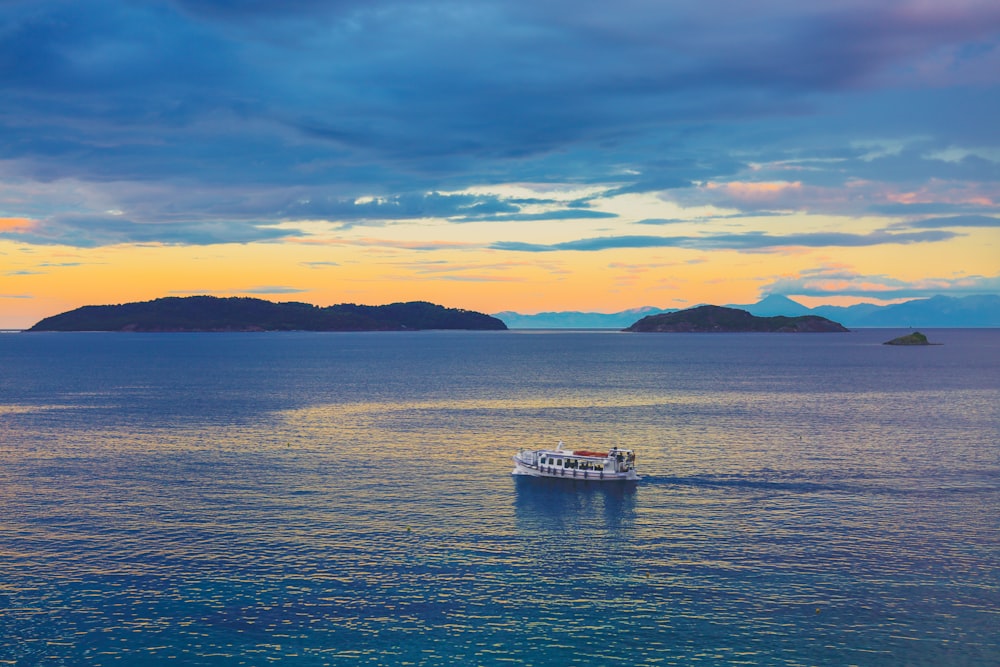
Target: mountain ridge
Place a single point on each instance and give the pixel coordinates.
(976, 311)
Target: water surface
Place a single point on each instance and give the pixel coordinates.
(327, 499)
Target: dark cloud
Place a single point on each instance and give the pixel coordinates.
(348, 99)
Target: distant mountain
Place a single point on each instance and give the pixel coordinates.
(718, 319)
(935, 312)
(208, 313)
(772, 305)
(577, 320)
(852, 315)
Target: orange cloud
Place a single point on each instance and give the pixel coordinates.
(755, 190)
(16, 224)
(942, 191)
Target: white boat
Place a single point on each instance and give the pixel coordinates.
(613, 465)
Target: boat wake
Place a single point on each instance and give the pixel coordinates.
(744, 482)
(848, 486)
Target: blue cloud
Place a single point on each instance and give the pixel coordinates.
(93, 231)
(968, 221)
(455, 207)
(746, 241)
(825, 282)
(560, 214)
(286, 110)
(925, 208)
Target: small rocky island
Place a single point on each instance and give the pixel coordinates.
(718, 319)
(209, 313)
(915, 338)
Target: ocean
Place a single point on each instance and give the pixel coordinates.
(346, 499)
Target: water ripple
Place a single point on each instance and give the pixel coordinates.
(320, 502)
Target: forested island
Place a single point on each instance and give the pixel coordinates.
(209, 313)
(718, 319)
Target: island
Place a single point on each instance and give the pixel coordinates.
(915, 338)
(718, 319)
(209, 313)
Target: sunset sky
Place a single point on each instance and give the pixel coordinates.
(497, 154)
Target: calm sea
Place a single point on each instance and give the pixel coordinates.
(345, 499)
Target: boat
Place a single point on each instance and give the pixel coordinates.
(616, 464)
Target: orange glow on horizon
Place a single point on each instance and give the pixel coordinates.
(461, 270)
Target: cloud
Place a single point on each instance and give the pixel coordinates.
(745, 241)
(273, 289)
(263, 289)
(456, 207)
(661, 221)
(849, 186)
(560, 214)
(232, 116)
(714, 216)
(915, 209)
(16, 224)
(967, 221)
(153, 214)
(85, 231)
(429, 245)
(837, 281)
(468, 278)
(472, 272)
